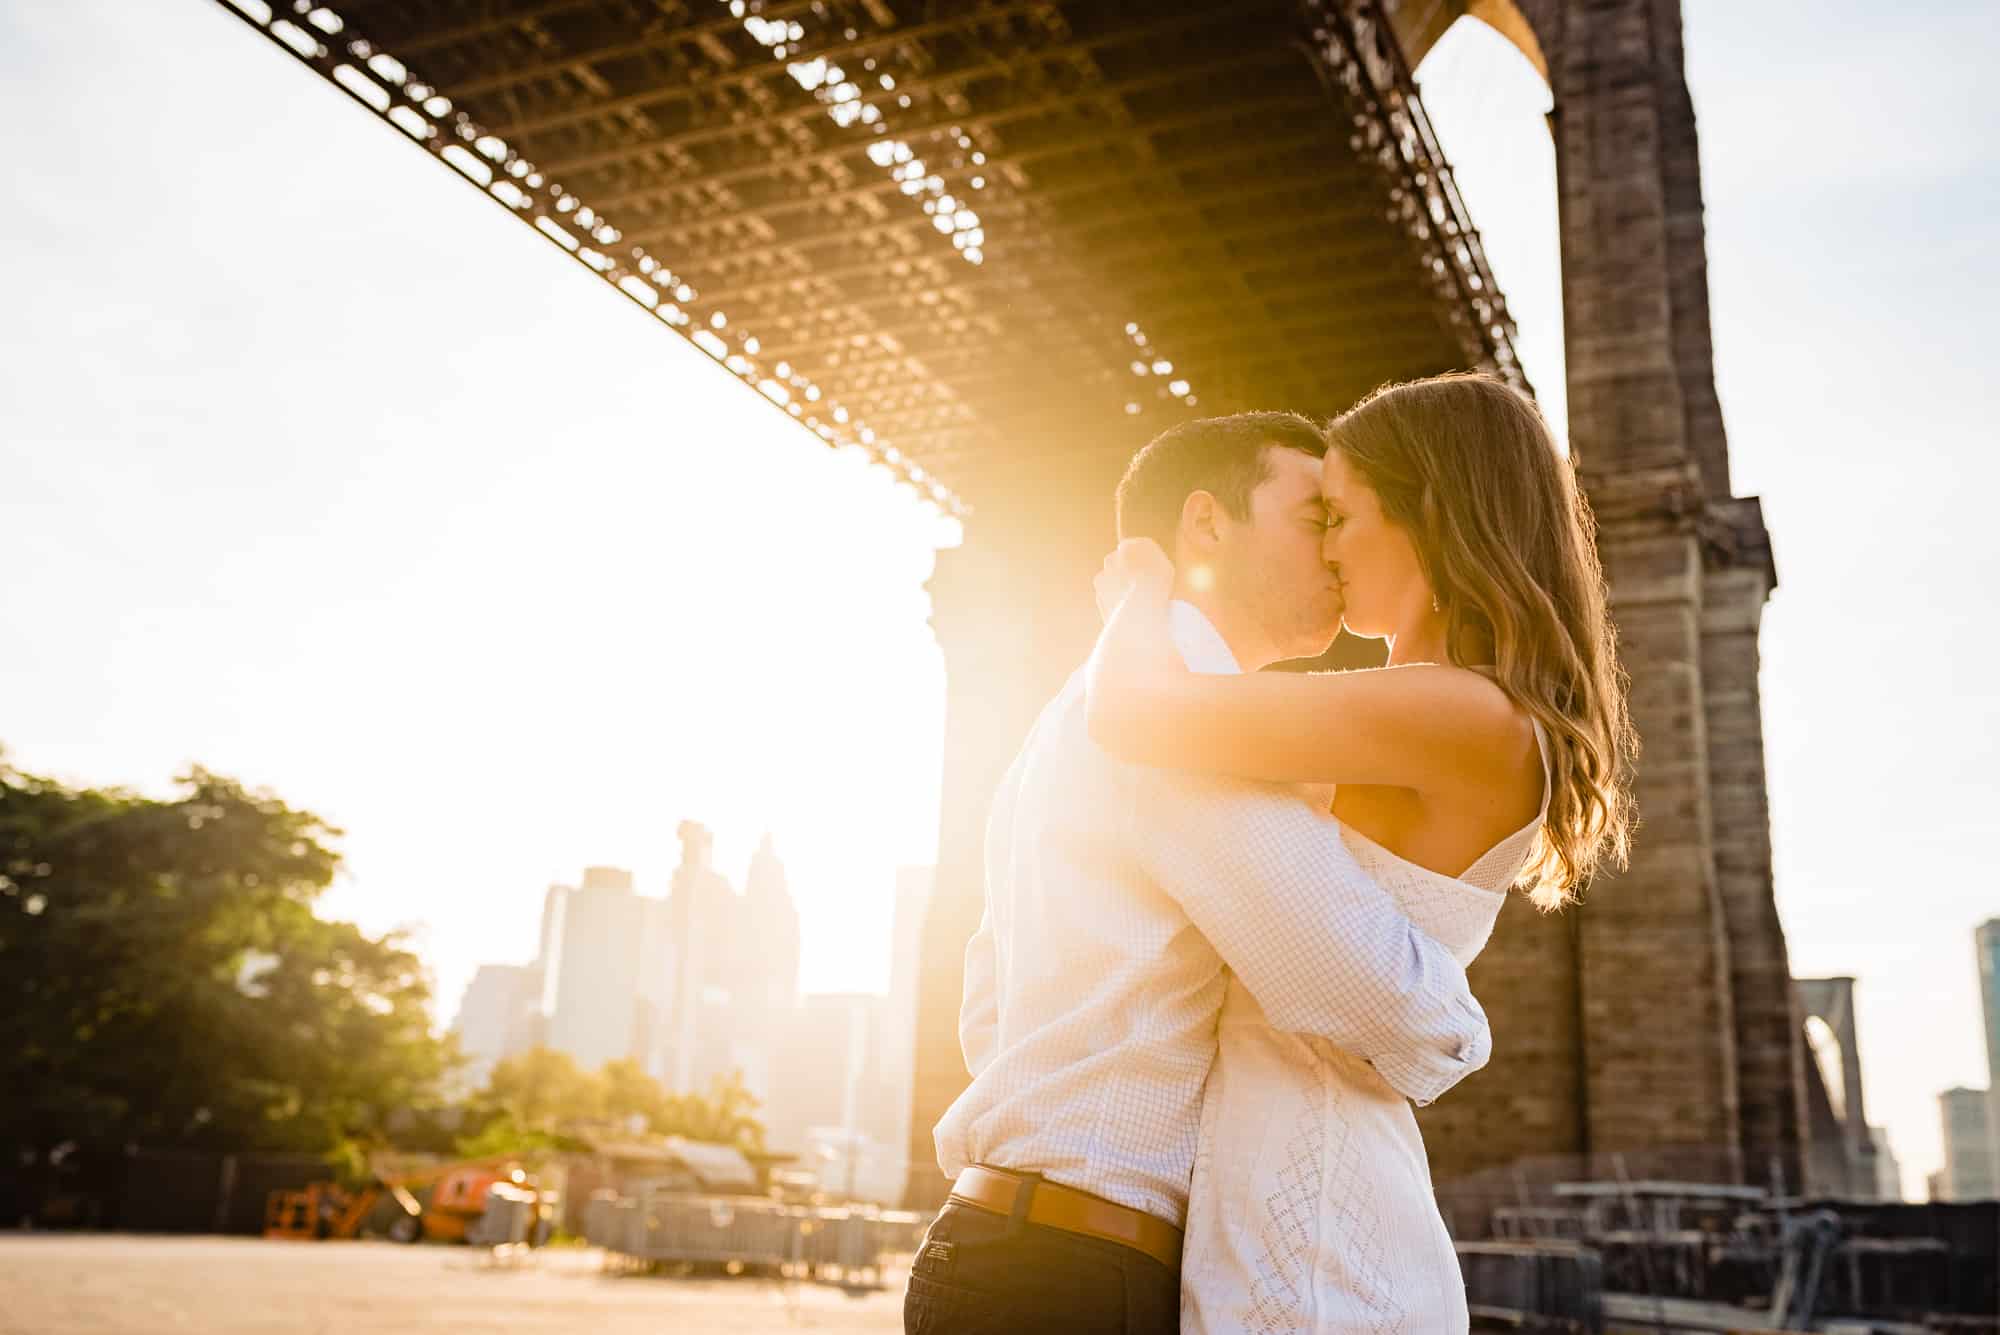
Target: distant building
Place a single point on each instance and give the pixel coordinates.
(827, 1072)
(1986, 943)
(700, 984)
(701, 972)
(506, 1007)
(1968, 1172)
(1888, 1170)
(700, 932)
(723, 976)
(899, 1017)
(770, 949)
(548, 944)
(595, 1016)
(1840, 1158)
(499, 1015)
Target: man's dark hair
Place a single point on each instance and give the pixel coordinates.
(1223, 456)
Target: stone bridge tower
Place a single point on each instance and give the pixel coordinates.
(1657, 1022)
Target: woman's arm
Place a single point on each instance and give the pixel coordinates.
(1420, 726)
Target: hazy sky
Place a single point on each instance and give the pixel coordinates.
(333, 477)
(318, 470)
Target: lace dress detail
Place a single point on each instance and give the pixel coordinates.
(1311, 1208)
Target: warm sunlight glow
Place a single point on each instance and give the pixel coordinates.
(505, 586)
(509, 552)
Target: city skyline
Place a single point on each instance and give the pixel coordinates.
(382, 579)
(701, 984)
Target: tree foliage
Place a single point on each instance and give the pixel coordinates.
(164, 979)
(726, 1113)
(541, 1099)
(543, 1088)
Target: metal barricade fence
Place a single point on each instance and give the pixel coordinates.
(508, 1219)
(663, 1227)
(719, 1230)
(1547, 1286)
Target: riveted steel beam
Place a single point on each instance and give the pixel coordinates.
(857, 143)
(763, 68)
(811, 198)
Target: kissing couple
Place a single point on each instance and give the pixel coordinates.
(1228, 911)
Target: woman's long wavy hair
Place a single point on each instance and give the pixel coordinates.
(1467, 467)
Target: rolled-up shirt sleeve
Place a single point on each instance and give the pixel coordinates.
(1322, 947)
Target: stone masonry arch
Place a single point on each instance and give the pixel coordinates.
(1691, 930)
(1421, 23)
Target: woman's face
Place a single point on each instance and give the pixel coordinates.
(1374, 560)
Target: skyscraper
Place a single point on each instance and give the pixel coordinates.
(771, 942)
(548, 944)
(1986, 944)
(1888, 1169)
(1968, 1173)
(764, 995)
(595, 1013)
(505, 1007)
(702, 937)
(498, 1016)
(899, 1017)
(729, 966)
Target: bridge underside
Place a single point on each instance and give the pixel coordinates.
(997, 245)
(986, 233)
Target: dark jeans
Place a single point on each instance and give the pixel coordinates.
(979, 1273)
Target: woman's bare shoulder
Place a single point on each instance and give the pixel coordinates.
(1489, 736)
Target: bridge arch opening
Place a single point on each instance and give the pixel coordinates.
(1488, 100)
(1419, 33)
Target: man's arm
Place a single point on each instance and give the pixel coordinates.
(1324, 949)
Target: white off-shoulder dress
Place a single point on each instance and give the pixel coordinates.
(1311, 1208)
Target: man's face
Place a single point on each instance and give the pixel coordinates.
(1270, 567)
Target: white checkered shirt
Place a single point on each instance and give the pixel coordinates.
(1117, 899)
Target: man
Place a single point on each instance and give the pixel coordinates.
(1117, 898)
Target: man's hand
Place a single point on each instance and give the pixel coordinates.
(1137, 565)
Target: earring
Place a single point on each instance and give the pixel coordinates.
(1434, 604)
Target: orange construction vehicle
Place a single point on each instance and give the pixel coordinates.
(459, 1198)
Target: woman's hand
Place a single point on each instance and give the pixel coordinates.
(1135, 662)
(1137, 565)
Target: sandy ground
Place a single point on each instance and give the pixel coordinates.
(109, 1284)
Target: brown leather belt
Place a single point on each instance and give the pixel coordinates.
(1056, 1206)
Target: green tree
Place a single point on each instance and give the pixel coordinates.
(541, 1099)
(543, 1089)
(537, 1101)
(502, 1135)
(630, 1093)
(727, 1114)
(164, 980)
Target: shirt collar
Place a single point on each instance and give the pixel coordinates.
(1201, 645)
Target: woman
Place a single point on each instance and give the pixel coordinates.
(1492, 751)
